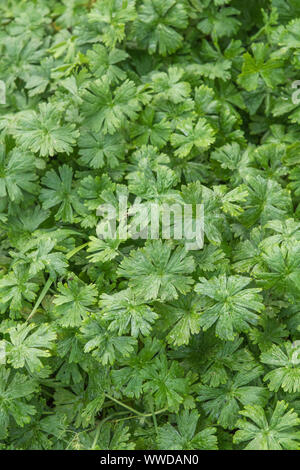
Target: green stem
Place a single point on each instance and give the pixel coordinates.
(125, 419)
(154, 418)
(50, 281)
(75, 250)
(142, 415)
(258, 33)
(98, 428)
(41, 297)
(146, 415)
(124, 406)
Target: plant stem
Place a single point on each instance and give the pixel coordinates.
(125, 406)
(50, 281)
(41, 296)
(154, 418)
(142, 415)
(75, 250)
(98, 427)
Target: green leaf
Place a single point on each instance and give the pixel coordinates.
(102, 250)
(26, 346)
(130, 377)
(181, 317)
(16, 288)
(150, 129)
(229, 305)
(274, 431)
(73, 302)
(102, 344)
(107, 110)
(103, 62)
(169, 85)
(200, 136)
(98, 150)
(157, 271)
(220, 23)
(17, 174)
(157, 24)
(224, 402)
(285, 362)
(185, 437)
(112, 15)
(59, 191)
(260, 66)
(15, 388)
(166, 382)
(127, 313)
(44, 133)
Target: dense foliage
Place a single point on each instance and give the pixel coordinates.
(135, 344)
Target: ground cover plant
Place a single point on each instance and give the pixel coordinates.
(130, 343)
